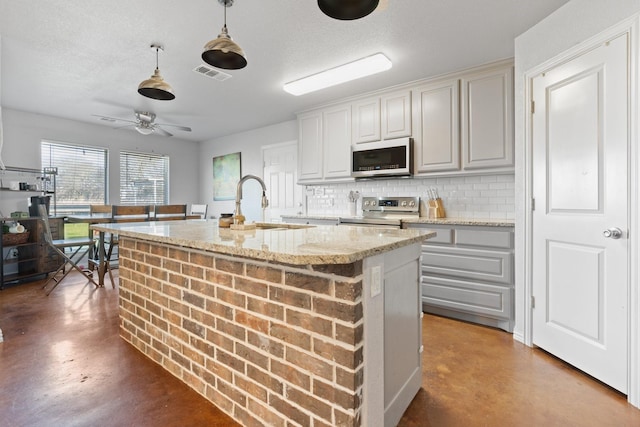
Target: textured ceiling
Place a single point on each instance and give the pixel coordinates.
(75, 58)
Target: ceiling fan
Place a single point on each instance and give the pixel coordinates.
(144, 123)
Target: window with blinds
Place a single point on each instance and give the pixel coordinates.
(82, 175)
(144, 179)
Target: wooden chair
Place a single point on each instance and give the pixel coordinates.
(59, 246)
(99, 209)
(199, 210)
(125, 213)
(169, 212)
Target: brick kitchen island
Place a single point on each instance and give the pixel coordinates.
(278, 326)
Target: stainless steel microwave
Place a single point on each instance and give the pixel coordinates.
(382, 159)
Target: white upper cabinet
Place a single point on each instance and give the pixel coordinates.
(366, 120)
(382, 117)
(324, 146)
(436, 127)
(310, 146)
(487, 124)
(396, 114)
(461, 123)
(336, 133)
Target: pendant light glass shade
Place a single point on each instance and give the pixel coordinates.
(223, 52)
(347, 9)
(155, 87)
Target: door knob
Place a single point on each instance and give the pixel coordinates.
(612, 233)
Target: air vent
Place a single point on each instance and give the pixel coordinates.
(212, 73)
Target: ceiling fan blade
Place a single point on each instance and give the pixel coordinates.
(184, 128)
(161, 131)
(125, 126)
(113, 119)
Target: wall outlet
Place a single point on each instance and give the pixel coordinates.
(376, 280)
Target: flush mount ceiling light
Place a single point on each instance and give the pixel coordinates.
(353, 70)
(155, 87)
(223, 52)
(347, 9)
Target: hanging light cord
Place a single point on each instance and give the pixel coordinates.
(157, 48)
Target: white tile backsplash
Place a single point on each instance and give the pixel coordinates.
(486, 196)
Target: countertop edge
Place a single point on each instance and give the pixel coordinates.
(274, 256)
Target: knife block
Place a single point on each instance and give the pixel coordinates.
(436, 209)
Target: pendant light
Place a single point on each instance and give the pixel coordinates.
(223, 52)
(347, 10)
(155, 87)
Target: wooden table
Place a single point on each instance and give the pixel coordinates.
(100, 218)
(96, 218)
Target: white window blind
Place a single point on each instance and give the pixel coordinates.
(144, 179)
(82, 175)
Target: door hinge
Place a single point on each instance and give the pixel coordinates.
(533, 204)
(533, 107)
(533, 301)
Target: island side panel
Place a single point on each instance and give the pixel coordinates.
(266, 343)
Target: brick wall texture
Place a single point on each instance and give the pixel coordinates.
(269, 344)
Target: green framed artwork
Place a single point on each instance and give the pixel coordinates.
(226, 174)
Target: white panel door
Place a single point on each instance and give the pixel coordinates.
(285, 196)
(580, 277)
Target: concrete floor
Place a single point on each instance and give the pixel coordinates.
(63, 364)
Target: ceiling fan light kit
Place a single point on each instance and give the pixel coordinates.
(155, 87)
(223, 52)
(347, 10)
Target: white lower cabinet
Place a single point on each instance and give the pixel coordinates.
(467, 274)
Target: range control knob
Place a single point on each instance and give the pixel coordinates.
(374, 202)
(403, 204)
(412, 204)
(366, 203)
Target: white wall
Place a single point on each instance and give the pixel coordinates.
(573, 23)
(248, 143)
(24, 131)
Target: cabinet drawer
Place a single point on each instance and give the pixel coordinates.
(496, 239)
(469, 297)
(475, 264)
(445, 235)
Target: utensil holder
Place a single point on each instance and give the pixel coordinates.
(436, 209)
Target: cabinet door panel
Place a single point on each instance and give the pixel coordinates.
(496, 239)
(336, 133)
(366, 120)
(396, 115)
(437, 127)
(310, 146)
(487, 125)
(479, 298)
(475, 264)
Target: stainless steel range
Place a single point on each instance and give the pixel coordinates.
(386, 212)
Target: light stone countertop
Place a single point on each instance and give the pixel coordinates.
(289, 243)
(423, 220)
(462, 221)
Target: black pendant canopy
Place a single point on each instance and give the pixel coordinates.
(347, 9)
(223, 52)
